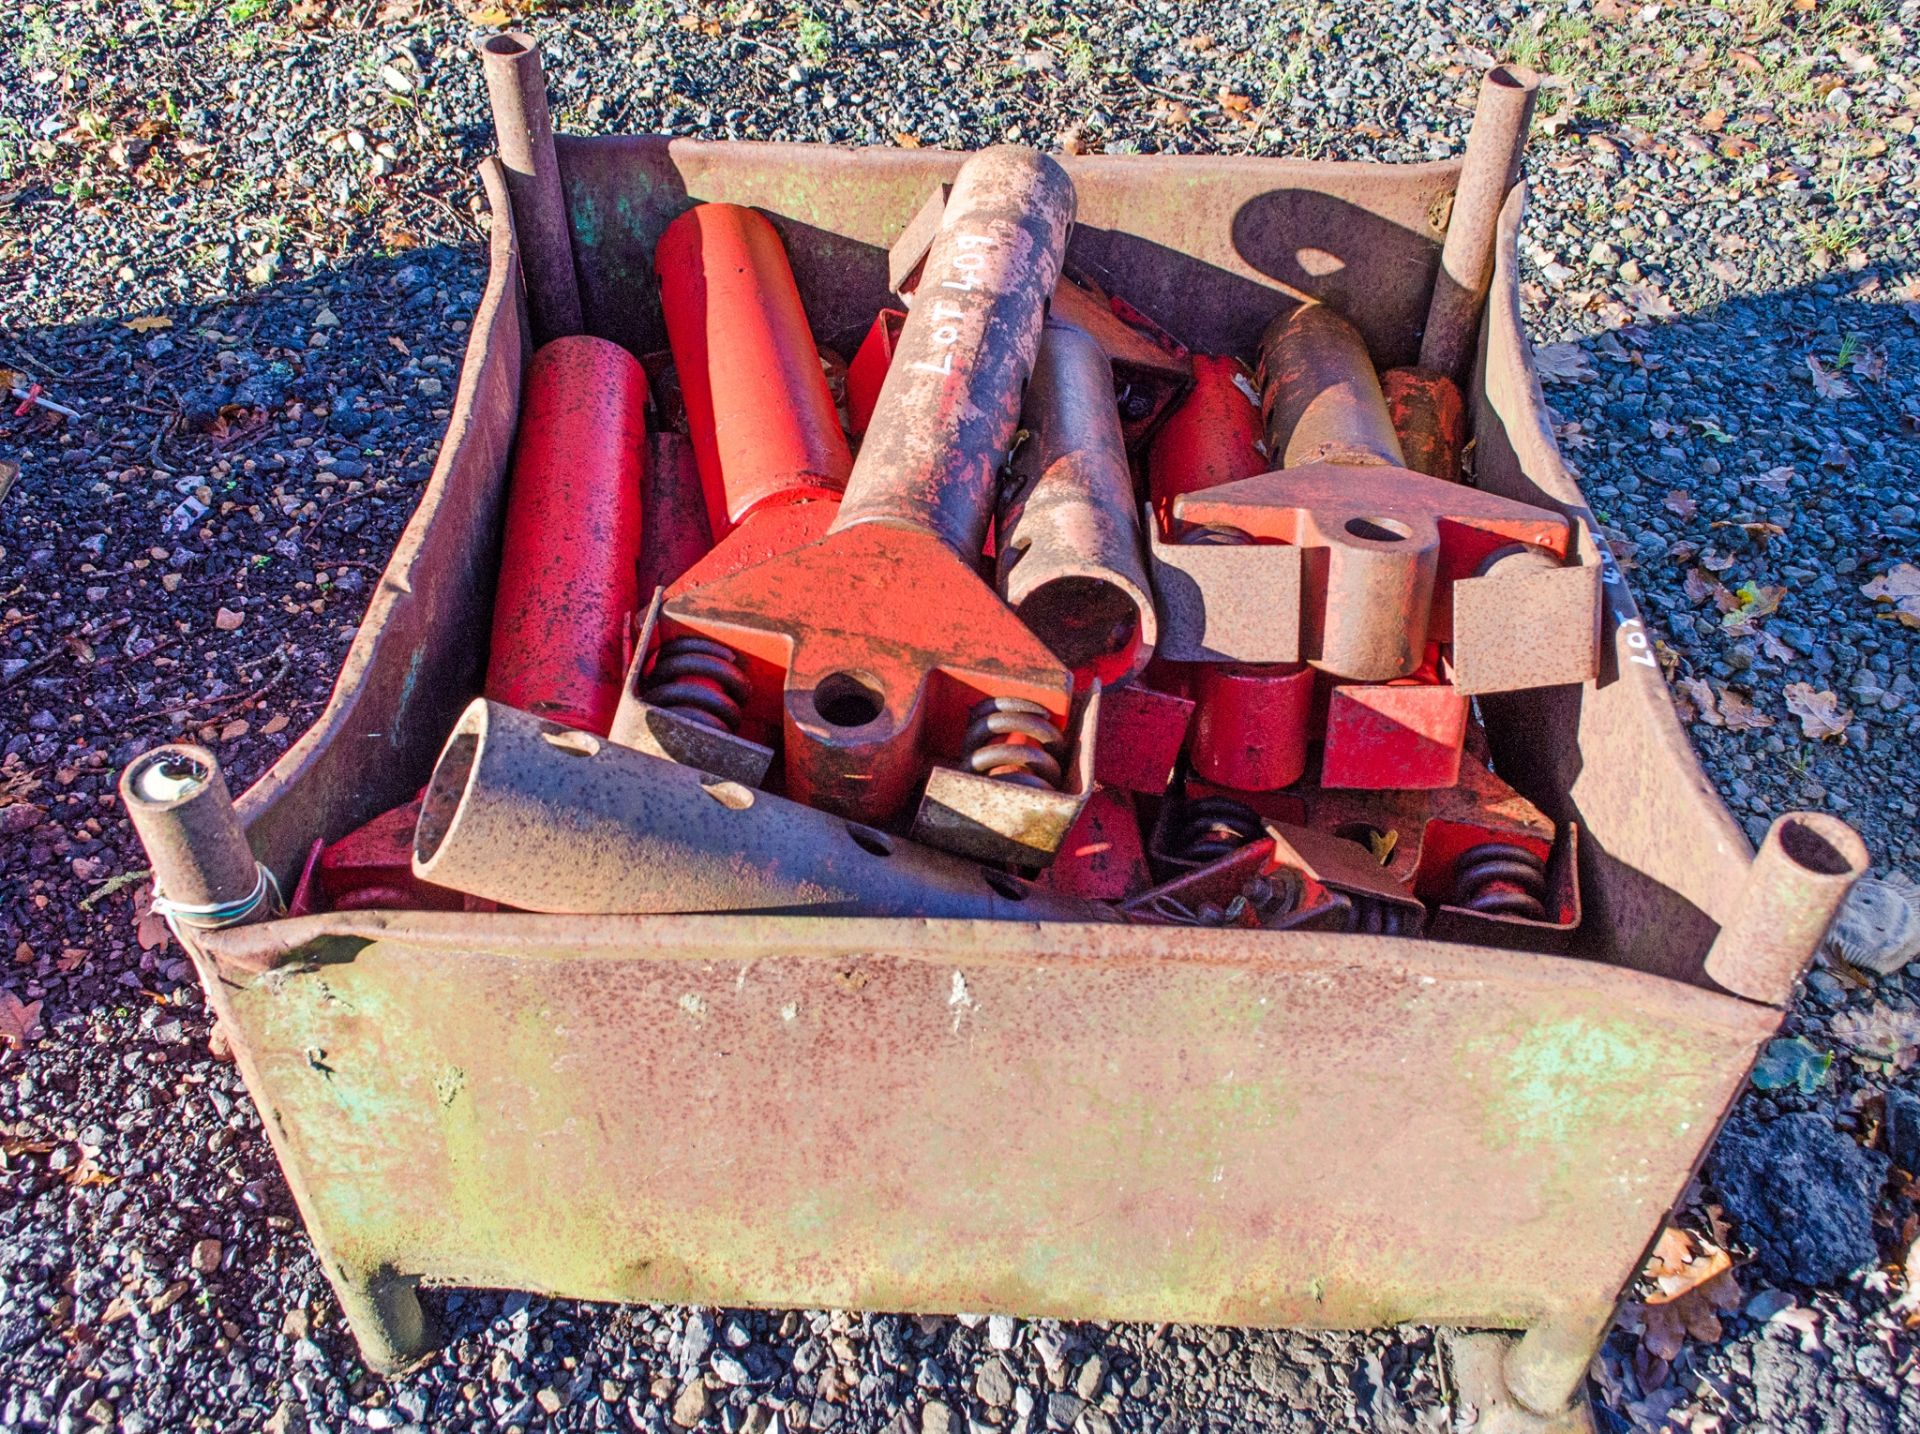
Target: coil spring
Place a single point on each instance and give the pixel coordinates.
(1219, 537)
(1265, 897)
(700, 679)
(1014, 740)
(1207, 829)
(1501, 879)
(1373, 916)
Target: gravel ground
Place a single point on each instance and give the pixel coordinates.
(242, 241)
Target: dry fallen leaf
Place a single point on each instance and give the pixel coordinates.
(1649, 303)
(1820, 713)
(85, 1173)
(1762, 533)
(19, 1021)
(1741, 715)
(1678, 1264)
(1680, 502)
(1564, 363)
(1776, 480)
(1752, 601)
(1694, 1286)
(1700, 585)
(1827, 384)
(1901, 587)
(1880, 1033)
(1562, 117)
(150, 928)
(1696, 702)
(1715, 561)
(147, 323)
(1909, 1302)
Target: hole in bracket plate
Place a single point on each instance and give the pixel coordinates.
(847, 699)
(1379, 530)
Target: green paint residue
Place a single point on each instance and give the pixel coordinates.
(1562, 1080)
(408, 685)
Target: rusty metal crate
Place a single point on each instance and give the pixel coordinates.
(1105, 1122)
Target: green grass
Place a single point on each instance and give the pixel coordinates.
(1525, 44)
(245, 12)
(1848, 186)
(1289, 62)
(1765, 18)
(1604, 105)
(1837, 236)
(815, 36)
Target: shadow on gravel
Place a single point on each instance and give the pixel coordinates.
(189, 557)
(1751, 496)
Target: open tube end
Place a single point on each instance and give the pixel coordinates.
(447, 787)
(167, 776)
(1820, 845)
(509, 47)
(1512, 77)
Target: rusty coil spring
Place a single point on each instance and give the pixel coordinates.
(1195, 536)
(1012, 739)
(700, 679)
(1371, 915)
(1501, 879)
(1266, 897)
(1207, 829)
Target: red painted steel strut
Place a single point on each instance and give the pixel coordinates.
(1213, 437)
(569, 581)
(883, 631)
(761, 419)
(759, 411)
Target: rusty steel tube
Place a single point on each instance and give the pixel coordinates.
(759, 412)
(1492, 163)
(543, 818)
(1794, 889)
(950, 405)
(1070, 562)
(569, 583)
(204, 872)
(1213, 437)
(1430, 419)
(523, 133)
(1320, 396)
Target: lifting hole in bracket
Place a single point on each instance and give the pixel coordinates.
(1379, 530)
(846, 699)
